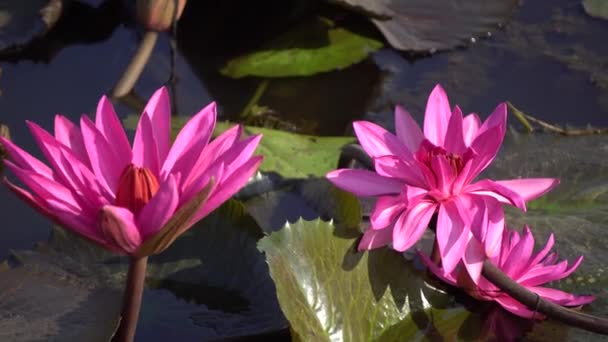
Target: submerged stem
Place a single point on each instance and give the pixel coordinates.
(132, 300)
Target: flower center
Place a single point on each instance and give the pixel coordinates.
(427, 152)
(136, 187)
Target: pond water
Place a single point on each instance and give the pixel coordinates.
(550, 60)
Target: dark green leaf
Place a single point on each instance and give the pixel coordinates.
(333, 48)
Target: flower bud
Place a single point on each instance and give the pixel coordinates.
(157, 15)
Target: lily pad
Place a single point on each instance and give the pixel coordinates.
(67, 289)
(596, 8)
(420, 25)
(21, 21)
(291, 155)
(314, 47)
(330, 292)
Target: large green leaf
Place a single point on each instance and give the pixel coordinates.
(291, 155)
(315, 47)
(596, 8)
(330, 292)
(211, 283)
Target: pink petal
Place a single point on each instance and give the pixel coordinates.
(70, 170)
(485, 146)
(69, 135)
(561, 297)
(498, 119)
(519, 257)
(119, 228)
(445, 174)
(105, 164)
(109, 125)
(408, 131)
(190, 141)
(25, 160)
(45, 188)
(32, 200)
(365, 183)
(452, 235)
(216, 148)
(493, 189)
(230, 186)
(159, 210)
(145, 147)
(541, 255)
(529, 188)
(240, 152)
(158, 110)
(83, 225)
(454, 140)
(411, 224)
(377, 141)
(486, 219)
(395, 167)
(376, 238)
(516, 307)
(386, 211)
(437, 116)
(470, 126)
(474, 256)
(446, 277)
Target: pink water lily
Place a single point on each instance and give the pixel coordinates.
(120, 196)
(516, 260)
(418, 175)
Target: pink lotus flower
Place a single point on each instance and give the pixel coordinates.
(119, 196)
(418, 175)
(515, 259)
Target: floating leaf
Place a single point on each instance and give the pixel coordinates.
(316, 47)
(420, 25)
(596, 8)
(21, 21)
(211, 283)
(291, 155)
(328, 291)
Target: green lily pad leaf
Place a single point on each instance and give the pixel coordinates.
(69, 290)
(328, 291)
(421, 25)
(315, 47)
(291, 155)
(596, 8)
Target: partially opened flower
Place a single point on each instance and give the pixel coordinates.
(517, 261)
(418, 175)
(132, 199)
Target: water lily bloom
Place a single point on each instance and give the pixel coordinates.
(421, 174)
(137, 199)
(516, 260)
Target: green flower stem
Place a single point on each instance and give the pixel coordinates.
(132, 300)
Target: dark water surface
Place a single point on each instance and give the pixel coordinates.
(551, 61)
